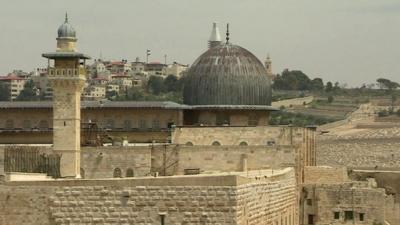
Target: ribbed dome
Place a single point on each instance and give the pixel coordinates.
(66, 30)
(227, 75)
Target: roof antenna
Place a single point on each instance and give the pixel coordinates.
(66, 17)
(227, 33)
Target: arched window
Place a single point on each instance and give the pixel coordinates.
(110, 124)
(243, 143)
(127, 125)
(189, 143)
(142, 124)
(129, 172)
(216, 143)
(27, 124)
(82, 171)
(117, 172)
(43, 125)
(155, 124)
(9, 124)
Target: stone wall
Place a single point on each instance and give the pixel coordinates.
(261, 135)
(214, 199)
(359, 152)
(325, 175)
(321, 201)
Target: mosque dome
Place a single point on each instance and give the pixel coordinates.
(227, 74)
(66, 30)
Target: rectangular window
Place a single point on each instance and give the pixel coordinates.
(348, 215)
(310, 219)
(336, 215)
(309, 202)
(361, 216)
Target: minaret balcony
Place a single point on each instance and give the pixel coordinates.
(67, 73)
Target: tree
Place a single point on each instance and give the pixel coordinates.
(330, 99)
(4, 92)
(317, 84)
(329, 86)
(387, 84)
(292, 80)
(171, 83)
(28, 93)
(135, 94)
(156, 84)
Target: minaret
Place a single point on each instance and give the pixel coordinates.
(215, 38)
(66, 74)
(268, 67)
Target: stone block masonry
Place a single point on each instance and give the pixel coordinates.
(256, 198)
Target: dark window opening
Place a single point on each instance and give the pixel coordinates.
(361, 216)
(222, 119)
(336, 215)
(348, 215)
(310, 219)
(309, 202)
(117, 172)
(129, 173)
(216, 143)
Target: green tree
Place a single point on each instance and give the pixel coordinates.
(156, 84)
(135, 94)
(292, 80)
(329, 86)
(4, 92)
(317, 84)
(330, 99)
(29, 93)
(387, 84)
(171, 83)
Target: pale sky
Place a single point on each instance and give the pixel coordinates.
(350, 41)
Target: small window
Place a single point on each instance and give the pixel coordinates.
(310, 219)
(127, 125)
(9, 124)
(129, 172)
(348, 215)
(43, 125)
(82, 171)
(117, 172)
(243, 143)
(336, 215)
(27, 124)
(309, 202)
(216, 143)
(156, 124)
(189, 143)
(142, 124)
(361, 216)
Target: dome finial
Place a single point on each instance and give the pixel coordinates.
(227, 33)
(66, 17)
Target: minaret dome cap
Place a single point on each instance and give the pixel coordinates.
(66, 30)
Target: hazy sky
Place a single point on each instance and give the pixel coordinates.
(351, 41)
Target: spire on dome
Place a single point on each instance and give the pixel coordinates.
(227, 33)
(66, 17)
(215, 38)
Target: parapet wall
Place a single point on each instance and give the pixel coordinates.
(325, 175)
(217, 199)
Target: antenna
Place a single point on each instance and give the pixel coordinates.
(227, 33)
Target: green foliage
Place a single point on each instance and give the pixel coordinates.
(330, 99)
(28, 93)
(329, 87)
(292, 80)
(4, 92)
(387, 84)
(297, 119)
(317, 84)
(156, 84)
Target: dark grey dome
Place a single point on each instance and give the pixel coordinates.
(227, 75)
(66, 30)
